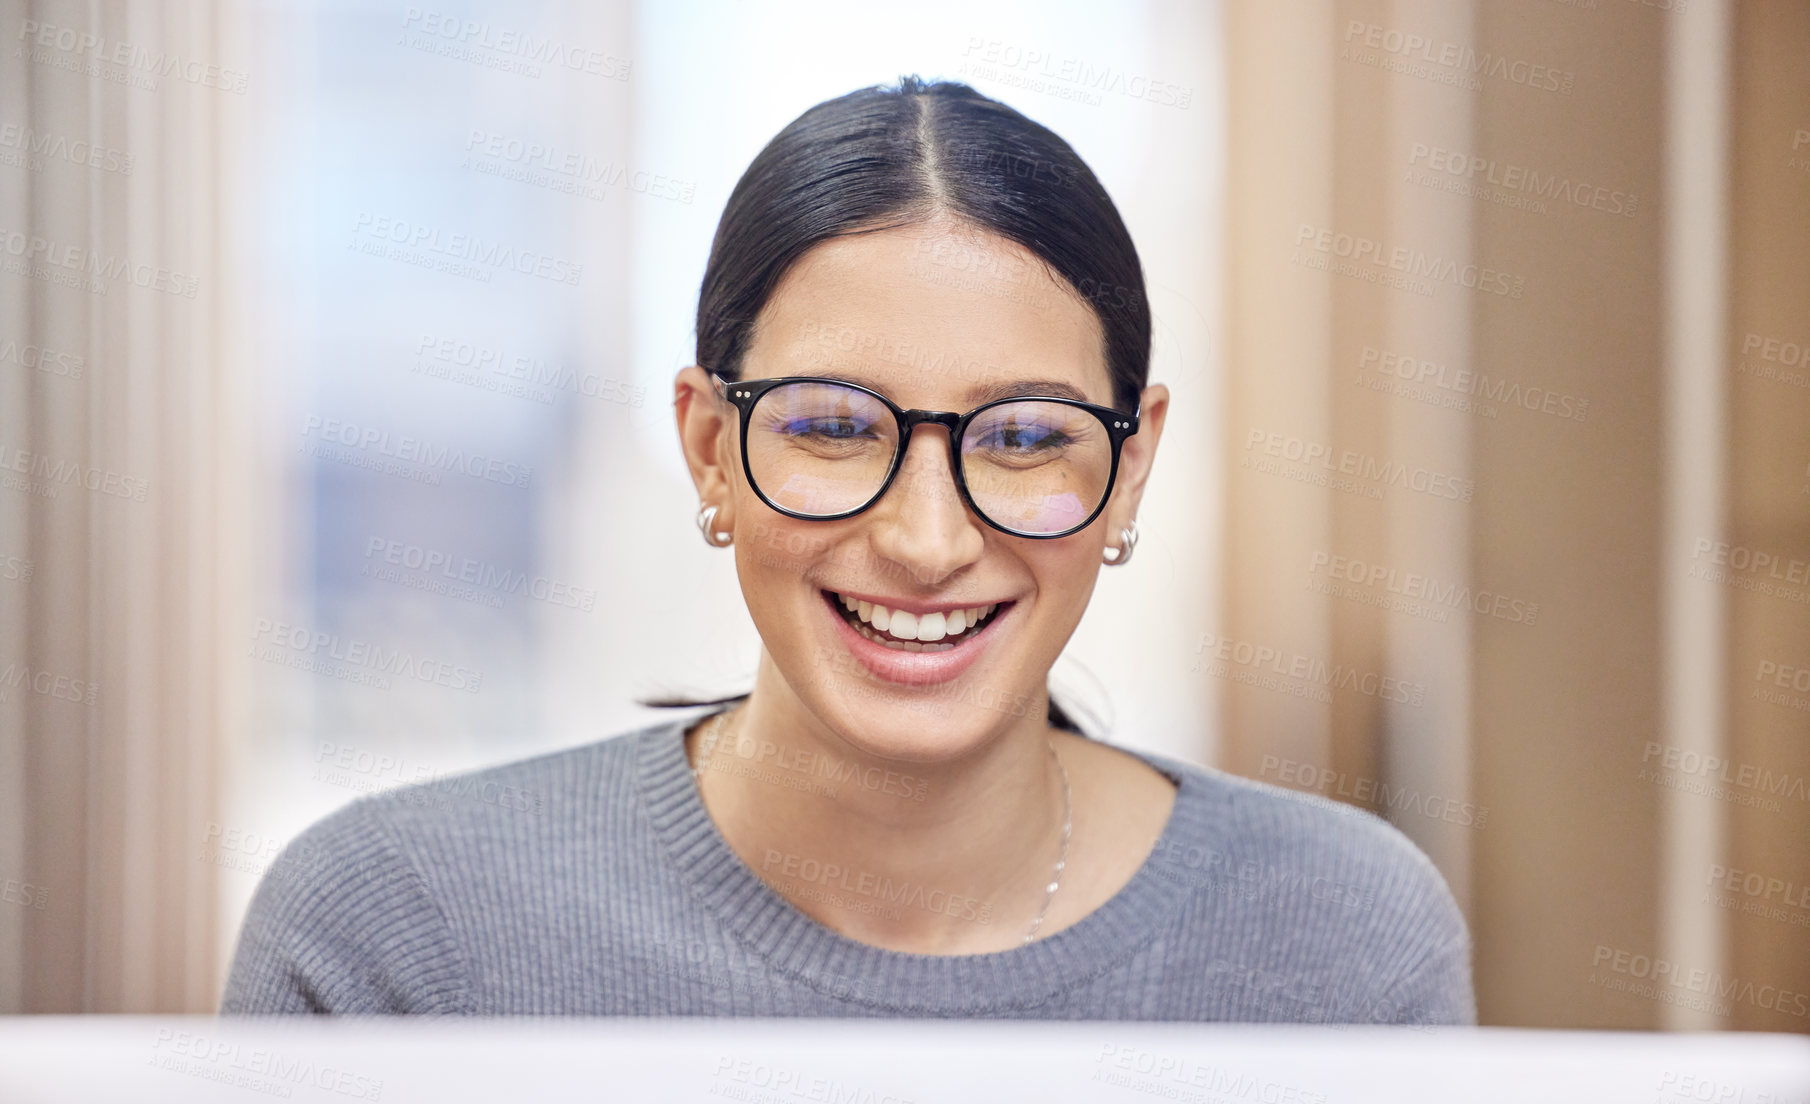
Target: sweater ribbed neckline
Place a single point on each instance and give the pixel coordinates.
(797, 945)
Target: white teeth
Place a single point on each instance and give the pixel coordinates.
(906, 626)
(900, 645)
(931, 627)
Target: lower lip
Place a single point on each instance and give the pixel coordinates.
(914, 668)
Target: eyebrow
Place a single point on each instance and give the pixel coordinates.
(986, 392)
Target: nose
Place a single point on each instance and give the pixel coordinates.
(921, 522)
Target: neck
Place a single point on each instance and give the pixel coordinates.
(933, 829)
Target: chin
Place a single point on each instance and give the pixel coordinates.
(916, 730)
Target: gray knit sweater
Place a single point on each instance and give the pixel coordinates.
(592, 881)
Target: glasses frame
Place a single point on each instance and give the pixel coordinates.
(743, 394)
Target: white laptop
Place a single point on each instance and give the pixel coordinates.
(197, 1060)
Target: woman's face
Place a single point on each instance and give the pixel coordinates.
(938, 317)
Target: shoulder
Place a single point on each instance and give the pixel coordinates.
(451, 829)
(1325, 886)
(1311, 832)
(520, 794)
(360, 911)
(310, 941)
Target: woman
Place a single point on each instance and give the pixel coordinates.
(920, 418)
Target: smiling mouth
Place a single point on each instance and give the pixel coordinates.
(906, 632)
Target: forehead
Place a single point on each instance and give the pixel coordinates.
(940, 316)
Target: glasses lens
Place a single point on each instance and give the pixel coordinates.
(1036, 467)
(820, 448)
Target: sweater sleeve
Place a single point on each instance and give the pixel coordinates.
(1436, 987)
(1438, 991)
(342, 922)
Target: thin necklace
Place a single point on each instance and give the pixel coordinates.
(715, 728)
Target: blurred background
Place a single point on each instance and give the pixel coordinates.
(336, 452)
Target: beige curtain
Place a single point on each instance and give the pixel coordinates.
(1516, 481)
(1510, 421)
(125, 440)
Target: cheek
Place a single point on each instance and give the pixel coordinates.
(1065, 575)
(777, 553)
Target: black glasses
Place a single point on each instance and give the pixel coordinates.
(823, 449)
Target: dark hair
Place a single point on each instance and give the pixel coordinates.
(885, 157)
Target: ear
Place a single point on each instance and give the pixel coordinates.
(707, 425)
(1136, 457)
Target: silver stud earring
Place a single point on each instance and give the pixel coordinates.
(1128, 542)
(706, 518)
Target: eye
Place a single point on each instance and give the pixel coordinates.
(835, 429)
(1014, 436)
